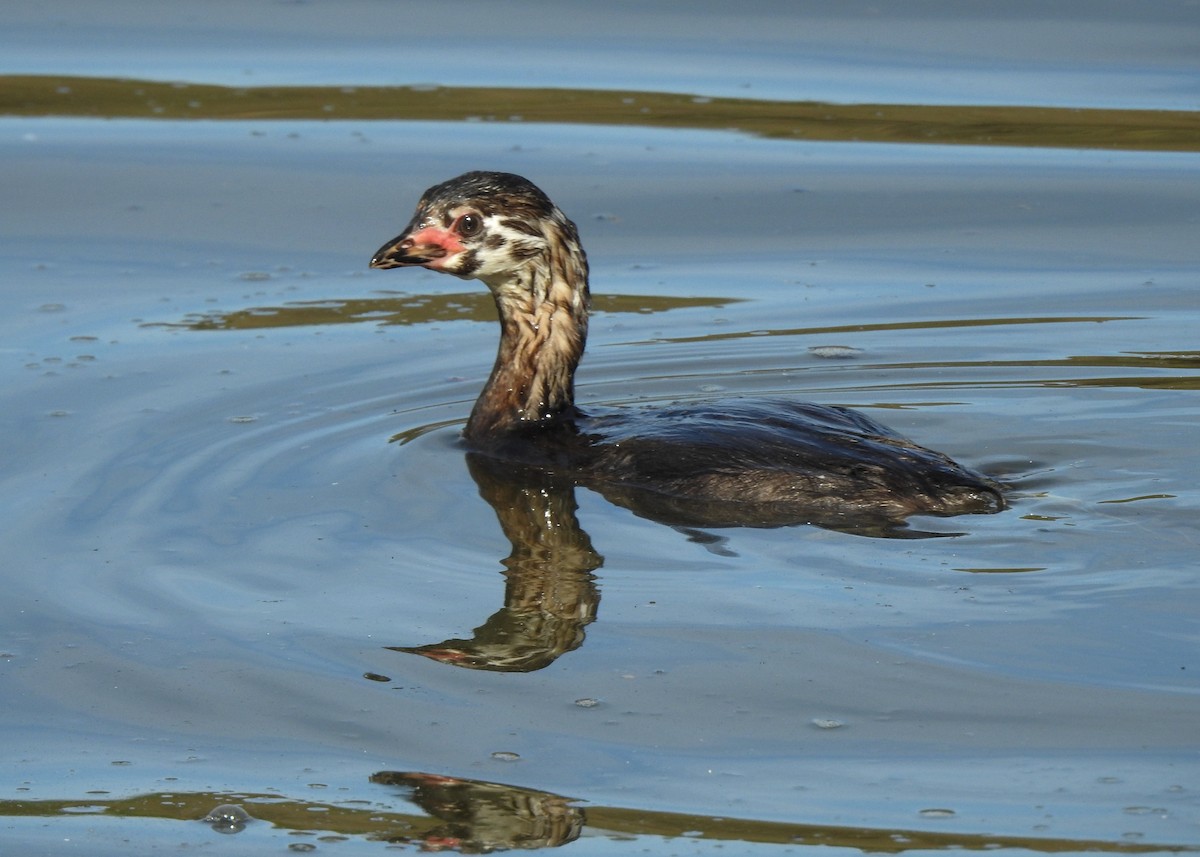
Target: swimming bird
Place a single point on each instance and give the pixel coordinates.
(737, 461)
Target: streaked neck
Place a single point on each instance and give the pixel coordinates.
(543, 311)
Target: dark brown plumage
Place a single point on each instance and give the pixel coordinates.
(734, 462)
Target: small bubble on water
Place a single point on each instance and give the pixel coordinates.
(1146, 810)
(254, 276)
(827, 723)
(937, 812)
(303, 847)
(835, 352)
(243, 419)
(227, 818)
(506, 756)
(587, 702)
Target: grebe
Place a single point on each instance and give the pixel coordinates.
(733, 462)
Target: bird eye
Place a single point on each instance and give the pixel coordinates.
(468, 225)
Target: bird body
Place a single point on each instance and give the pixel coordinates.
(739, 461)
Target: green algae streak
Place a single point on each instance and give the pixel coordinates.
(1145, 130)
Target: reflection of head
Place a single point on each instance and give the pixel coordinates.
(479, 817)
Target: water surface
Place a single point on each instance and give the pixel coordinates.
(235, 501)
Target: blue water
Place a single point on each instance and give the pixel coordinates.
(213, 536)
(1096, 54)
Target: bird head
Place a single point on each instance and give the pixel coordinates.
(481, 225)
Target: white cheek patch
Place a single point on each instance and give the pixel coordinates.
(500, 248)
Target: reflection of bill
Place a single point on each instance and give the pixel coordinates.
(478, 817)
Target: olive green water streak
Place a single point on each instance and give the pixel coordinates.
(405, 309)
(513, 810)
(1147, 130)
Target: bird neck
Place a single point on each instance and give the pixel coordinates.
(543, 307)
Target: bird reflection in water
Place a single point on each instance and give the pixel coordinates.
(480, 817)
(550, 593)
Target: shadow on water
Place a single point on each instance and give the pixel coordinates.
(476, 817)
